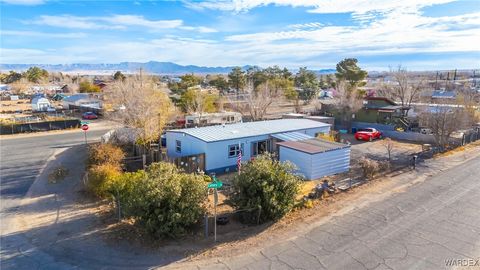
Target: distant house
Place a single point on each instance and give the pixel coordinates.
(40, 104)
(442, 96)
(81, 100)
(208, 119)
(380, 110)
(4, 87)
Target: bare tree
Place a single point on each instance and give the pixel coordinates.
(405, 88)
(138, 102)
(258, 100)
(347, 100)
(443, 120)
(389, 146)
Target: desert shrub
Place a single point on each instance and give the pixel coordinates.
(267, 184)
(100, 178)
(105, 153)
(369, 167)
(166, 201)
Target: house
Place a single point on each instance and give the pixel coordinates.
(316, 158)
(221, 144)
(81, 100)
(207, 119)
(380, 110)
(40, 104)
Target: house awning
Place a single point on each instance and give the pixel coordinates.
(292, 136)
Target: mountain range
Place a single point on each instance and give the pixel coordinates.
(161, 68)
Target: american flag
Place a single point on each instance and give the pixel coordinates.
(239, 158)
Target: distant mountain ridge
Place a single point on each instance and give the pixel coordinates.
(165, 68)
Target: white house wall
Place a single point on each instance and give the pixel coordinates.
(190, 145)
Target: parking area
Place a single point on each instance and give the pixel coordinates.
(401, 151)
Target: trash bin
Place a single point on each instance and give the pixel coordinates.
(354, 130)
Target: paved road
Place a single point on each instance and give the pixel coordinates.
(431, 222)
(23, 157)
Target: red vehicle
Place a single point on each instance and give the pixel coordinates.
(89, 116)
(368, 134)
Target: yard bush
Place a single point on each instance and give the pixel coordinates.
(267, 184)
(166, 201)
(100, 178)
(369, 167)
(105, 153)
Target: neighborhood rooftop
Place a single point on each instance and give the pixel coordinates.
(249, 129)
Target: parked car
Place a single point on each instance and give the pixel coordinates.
(89, 115)
(368, 134)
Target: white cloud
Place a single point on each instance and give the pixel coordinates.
(114, 22)
(24, 2)
(317, 6)
(42, 34)
(135, 20)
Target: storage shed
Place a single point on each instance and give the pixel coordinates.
(40, 104)
(221, 144)
(316, 158)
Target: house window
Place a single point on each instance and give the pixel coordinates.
(178, 146)
(259, 147)
(234, 150)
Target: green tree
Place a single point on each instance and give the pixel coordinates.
(36, 74)
(256, 76)
(166, 201)
(308, 84)
(11, 77)
(349, 71)
(266, 184)
(219, 82)
(237, 78)
(87, 87)
(118, 76)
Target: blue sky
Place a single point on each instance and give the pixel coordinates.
(418, 34)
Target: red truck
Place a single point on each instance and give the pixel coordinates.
(368, 134)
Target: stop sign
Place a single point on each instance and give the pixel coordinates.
(84, 127)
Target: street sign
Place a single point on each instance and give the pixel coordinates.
(217, 184)
(84, 127)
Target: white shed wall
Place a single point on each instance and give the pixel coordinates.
(302, 160)
(317, 165)
(331, 162)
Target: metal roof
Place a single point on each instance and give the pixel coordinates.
(313, 146)
(292, 136)
(249, 129)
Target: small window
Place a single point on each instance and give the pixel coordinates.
(178, 146)
(234, 150)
